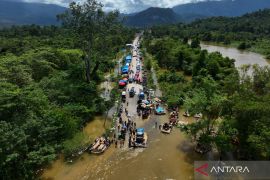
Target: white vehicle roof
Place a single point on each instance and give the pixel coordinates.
(129, 45)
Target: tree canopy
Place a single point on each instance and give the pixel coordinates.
(45, 98)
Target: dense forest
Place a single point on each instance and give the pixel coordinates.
(49, 79)
(235, 105)
(250, 31)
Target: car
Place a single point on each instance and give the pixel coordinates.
(132, 92)
(130, 80)
(141, 96)
(138, 67)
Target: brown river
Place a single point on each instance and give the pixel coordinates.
(168, 156)
(241, 57)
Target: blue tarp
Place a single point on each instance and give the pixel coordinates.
(160, 110)
(124, 69)
(141, 94)
(128, 59)
(122, 81)
(140, 131)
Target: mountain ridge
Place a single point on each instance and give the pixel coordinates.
(228, 8)
(152, 16)
(22, 13)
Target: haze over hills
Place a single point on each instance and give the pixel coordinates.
(20, 13)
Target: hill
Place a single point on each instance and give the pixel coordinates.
(222, 8)
(249, 26)
(152, 16)
(19, 13)
(192, 11)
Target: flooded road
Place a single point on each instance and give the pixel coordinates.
(241, 57)
(80, 168)
(167, 156)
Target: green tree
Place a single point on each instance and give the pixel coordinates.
(195, 43)
(90, 24)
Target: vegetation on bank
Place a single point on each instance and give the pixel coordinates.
(148, 64)
(49, 80)
(235, 106)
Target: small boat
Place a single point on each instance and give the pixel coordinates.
(166, 128)
(186, 114)
(198, 115)
(139, 139)
(100, 145)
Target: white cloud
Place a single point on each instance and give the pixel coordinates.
(137, 5)
(125, 6)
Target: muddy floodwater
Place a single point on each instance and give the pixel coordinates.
(78, 169)
(168, 156)
(241, 57)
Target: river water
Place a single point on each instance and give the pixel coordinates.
(241, 57)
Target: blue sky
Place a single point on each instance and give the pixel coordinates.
(124, 6)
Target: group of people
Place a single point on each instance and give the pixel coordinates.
(123, 127)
